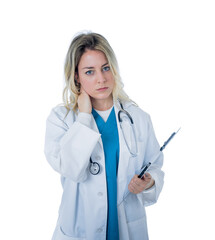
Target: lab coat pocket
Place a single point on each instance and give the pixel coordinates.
(60, 235)
(135, 217)
(138, 229)
(134, 209)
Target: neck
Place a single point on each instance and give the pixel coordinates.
(102, 104)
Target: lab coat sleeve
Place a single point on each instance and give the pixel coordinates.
(68, 149)
(155, 156)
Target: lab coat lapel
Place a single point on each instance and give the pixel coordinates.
(95, 128)
(124, 156)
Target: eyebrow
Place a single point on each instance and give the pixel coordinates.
(93, 67)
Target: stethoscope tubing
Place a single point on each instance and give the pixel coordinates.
(94, 167)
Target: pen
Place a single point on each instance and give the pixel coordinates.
(161, 149)
(144, 170)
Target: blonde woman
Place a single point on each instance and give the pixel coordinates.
(98, 141)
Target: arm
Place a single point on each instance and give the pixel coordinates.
(67, 149)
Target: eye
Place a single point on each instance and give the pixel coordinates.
(105, 69)
(90, 72)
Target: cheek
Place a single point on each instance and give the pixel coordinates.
(112, 83)
(87, 85)
(110, 78)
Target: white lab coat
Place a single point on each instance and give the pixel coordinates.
(69, 143)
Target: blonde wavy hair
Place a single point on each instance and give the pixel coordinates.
(79, 45)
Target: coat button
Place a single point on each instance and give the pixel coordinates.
(100, 194)
(99, 230)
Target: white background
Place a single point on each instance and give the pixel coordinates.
(166, 54)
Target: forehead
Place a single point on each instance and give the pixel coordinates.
(92, 58)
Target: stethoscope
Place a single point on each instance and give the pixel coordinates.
(94, 167)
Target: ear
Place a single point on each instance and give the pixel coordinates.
(77, 78)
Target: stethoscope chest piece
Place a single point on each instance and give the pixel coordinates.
(94, 167)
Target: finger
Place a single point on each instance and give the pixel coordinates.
(84, 92)
(147, 177)
(138, 181)
(133, 190)
(137, 188)
(137, 185)
(130, 188)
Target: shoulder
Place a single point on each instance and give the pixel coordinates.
(135, 110)
(61, 113)
(141, 119)
(60, 110)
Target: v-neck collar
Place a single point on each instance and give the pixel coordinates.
(100, 121)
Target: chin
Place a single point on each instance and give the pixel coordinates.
(101, 96)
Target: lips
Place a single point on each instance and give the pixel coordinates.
(102, 89)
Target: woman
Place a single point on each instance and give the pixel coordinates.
(99, 159)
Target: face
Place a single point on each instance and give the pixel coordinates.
(95, 76)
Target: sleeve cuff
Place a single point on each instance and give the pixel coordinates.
(84, 118)
(149, 189)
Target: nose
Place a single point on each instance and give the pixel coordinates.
(100, 77)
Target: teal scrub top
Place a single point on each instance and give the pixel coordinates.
(110, 140)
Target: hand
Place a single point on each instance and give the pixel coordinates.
(138, 185)
(84, 102)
